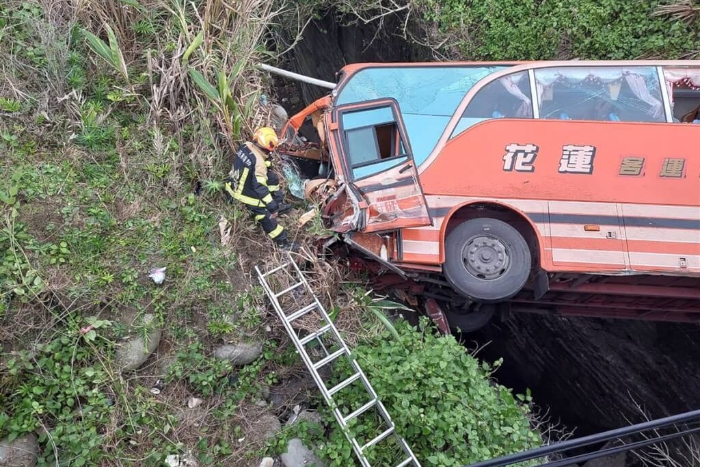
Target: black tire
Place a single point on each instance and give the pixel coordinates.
(486, 260)
(470, 320)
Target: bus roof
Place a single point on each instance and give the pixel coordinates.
(349, 70)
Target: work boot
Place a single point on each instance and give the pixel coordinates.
(286, 244)
(283, 208)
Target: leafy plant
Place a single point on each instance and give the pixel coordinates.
(112, 53)
(441, 400)
(222, 99)
(10, 105)
(62, 391)
(206, 375)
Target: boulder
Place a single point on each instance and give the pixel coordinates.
(20, 452)
(267, 462)
(298, 455)
(239, 354)
(132, 354)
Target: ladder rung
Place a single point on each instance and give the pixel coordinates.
(273, 271)
(289, 289)
(329, 358)
(343, 384)
(300, 312)
(314, 335)
(378, 438)
(405, 462)
(360, 410)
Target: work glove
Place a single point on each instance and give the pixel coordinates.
(272, 206)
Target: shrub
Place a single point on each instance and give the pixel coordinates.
(440, 398)
(62, 394)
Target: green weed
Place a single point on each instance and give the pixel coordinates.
(10, 105)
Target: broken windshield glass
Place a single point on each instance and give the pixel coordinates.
(427, 96)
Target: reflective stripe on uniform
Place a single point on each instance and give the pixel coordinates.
(242, 180)
(260, 217)
(276, 232)
(273, 187)
(268, 163)
(267, 199)
(227, 187)
(250, 201)
(263, 181)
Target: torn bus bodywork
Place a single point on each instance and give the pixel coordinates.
(381, 213)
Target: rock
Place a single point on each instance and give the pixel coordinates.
(239, 354)
(310, 416)
(135, 352)
(21, 452)
(263, 429)
(267, 462)
(298, 455)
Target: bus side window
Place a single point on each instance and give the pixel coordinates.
(506, 97)
(631, 94)
(683, 91)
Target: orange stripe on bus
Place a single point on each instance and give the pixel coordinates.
(419, 258)
(642, 246)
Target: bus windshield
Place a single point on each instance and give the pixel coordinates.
(427, 96)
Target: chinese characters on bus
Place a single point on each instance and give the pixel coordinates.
(520, 157)
(579, 159)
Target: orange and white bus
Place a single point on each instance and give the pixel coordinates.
(564, 186)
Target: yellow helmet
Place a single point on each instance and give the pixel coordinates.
(265, 137)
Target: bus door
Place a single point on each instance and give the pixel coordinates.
(372, 153)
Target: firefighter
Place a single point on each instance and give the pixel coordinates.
(253, 183)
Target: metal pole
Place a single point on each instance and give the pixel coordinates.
(579, 442)
(297, 77)
(618, 449)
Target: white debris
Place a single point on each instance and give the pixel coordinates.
(158, 275)
(194, 402)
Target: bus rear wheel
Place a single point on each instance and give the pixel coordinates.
(486, 260)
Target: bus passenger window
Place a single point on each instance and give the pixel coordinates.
(631, 94)
(683, 90)
(506, 97)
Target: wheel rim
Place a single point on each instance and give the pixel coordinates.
(485, 257)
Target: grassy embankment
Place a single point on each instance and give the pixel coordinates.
(113, 156)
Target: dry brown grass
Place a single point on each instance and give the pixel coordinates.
(680, 10)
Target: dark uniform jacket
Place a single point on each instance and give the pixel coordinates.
(249, 177)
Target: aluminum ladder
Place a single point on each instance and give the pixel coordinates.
(290, 270)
